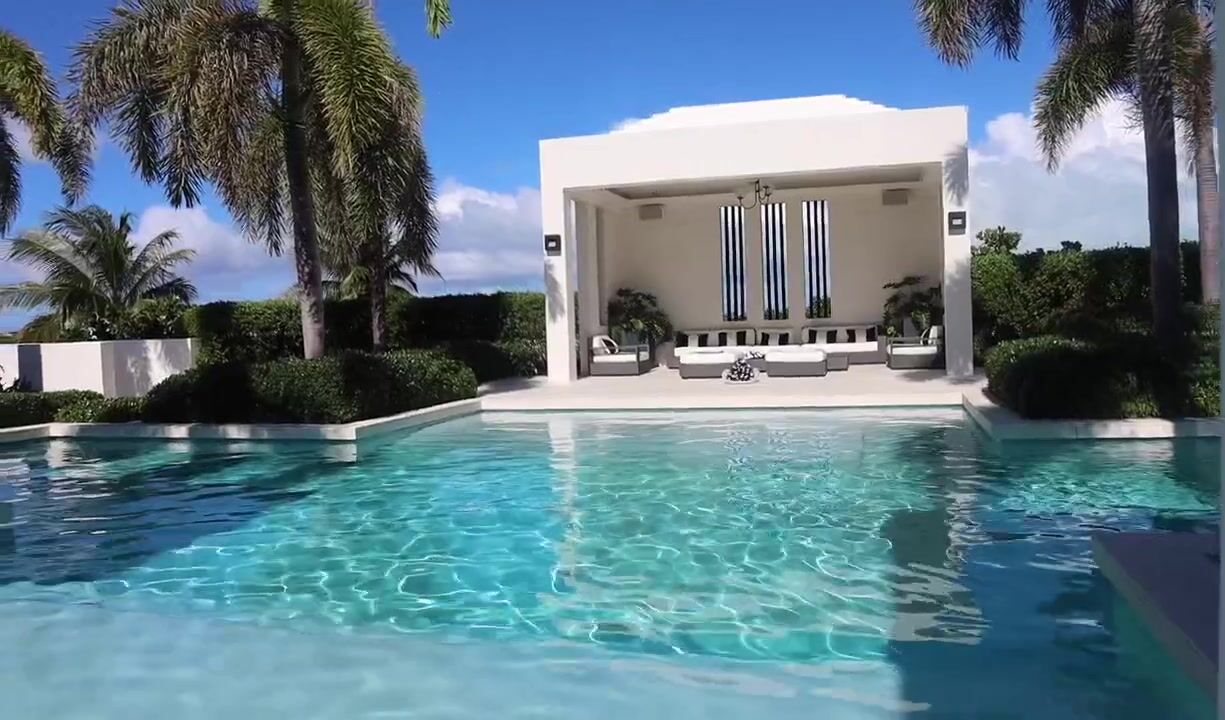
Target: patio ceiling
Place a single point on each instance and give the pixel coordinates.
(793, 181)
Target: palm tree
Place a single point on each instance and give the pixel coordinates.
(28, 97)
(93, 274)
(277, 103)
(958, 28)
(1101, 64)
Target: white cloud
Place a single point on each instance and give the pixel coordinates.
(24, 141)
(486, 239)
(226, 265)
(1097, 197)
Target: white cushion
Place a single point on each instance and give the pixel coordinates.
(841, 333)
(798, 356)
(712, 337)
(715, 358)
(684, 351)
(614, 359)
(843, 347)
(768, 349)
(913, 349)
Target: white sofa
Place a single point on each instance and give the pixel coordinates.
(861, 343)
(737, 341)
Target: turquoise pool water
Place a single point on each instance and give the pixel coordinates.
(801, 564)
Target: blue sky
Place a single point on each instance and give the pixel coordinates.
(510, 73)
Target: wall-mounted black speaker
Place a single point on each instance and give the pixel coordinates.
(957, 222)
(552, 245)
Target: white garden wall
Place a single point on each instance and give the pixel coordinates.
(115, 368)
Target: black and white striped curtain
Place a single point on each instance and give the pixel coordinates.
(774, 260)
(731, 224)
(816, 258)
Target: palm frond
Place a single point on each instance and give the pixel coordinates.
(951, 27)
(352, 74)
(1087, 72)
(28, 94)
(437, 16)
(10, 177)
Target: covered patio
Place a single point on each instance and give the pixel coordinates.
(762, 219)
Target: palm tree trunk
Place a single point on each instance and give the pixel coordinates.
(301, 201)
(1155, 71)
(378, 305)
(1208, 201)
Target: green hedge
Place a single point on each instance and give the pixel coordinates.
(339, 388)
(102, 410)
(1092, 294)
(260, 331)
(1052, 377)
(35, 408)
(499, 360)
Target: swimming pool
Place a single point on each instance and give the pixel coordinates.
(828, 564)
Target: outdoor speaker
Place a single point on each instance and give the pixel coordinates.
(650, 212)
(896, 196)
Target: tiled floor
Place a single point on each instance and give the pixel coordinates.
(860, 386)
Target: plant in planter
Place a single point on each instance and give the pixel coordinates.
(923, 306)
(635, 317)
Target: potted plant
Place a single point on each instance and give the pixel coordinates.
(924, 307)
(634, 317)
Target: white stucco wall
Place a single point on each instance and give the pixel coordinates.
(677, 258)
(118, 368)
(72, 366)
(872, 244)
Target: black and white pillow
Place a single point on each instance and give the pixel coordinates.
(774, 338)
(682, 339)
(870, 333)
(852, 334)
(831, 336)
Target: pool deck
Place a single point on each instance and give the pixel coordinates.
(663, 389)
(1172, 582)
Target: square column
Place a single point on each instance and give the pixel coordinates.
(560, 286)
(958, 315)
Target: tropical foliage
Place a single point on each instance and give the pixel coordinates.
(298, 111)
(1101, 63)
(94, 276)
(638, 313)
(29, 103)
(957, 29)
(912, 299)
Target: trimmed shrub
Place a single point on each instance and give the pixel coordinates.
(102, 410)
(426, 321)
(1091, 294)
(427, 377)
(246, 331)
(256, 332)
(35, 408)
(339, 388)
(211, 393)
(1126, 376)
(498, 360)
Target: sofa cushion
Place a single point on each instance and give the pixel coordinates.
(774, 337)
(830, 334)
(734, 337)
(843, 347)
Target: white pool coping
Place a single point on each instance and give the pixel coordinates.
(348, 432)
(1003, 424)
(996, 421)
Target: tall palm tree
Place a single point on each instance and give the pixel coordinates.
(1101, 64)
(381, 228)
(958, 28)
(276, 103)
(93, 274)
(28, 97)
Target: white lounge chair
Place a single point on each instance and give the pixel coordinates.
(923, 352)
(608, 358)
